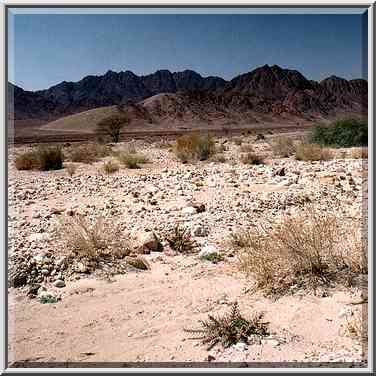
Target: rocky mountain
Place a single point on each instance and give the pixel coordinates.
(267, 90)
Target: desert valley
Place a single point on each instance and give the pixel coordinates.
(226, 225)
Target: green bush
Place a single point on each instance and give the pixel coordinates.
(342, 133)
(50, 158)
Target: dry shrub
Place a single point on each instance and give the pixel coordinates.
(88, 153)
(180, 240)
(357, 326)
(164, 144)
(131, 159)
(283, 146)
(110, 167)
(220, 158)
(92, 240)
(361, 153)
(27, 161)
(44, 158)
(308, 249)
(221, 148)
(231, 328)
(71, 169)
(312, 152)
(194, 147)
(246, 148)
(252, 159)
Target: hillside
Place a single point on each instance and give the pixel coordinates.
(166, 100)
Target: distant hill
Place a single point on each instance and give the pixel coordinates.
(172, 98)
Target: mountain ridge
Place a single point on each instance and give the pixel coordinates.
(266, 89)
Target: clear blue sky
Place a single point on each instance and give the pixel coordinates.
(47, 49)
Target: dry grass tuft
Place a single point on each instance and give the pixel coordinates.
(312, 152)
(237, 141)
(283, 146)
(71, 169)
(220, 158)
(110, 167)
(27, 161)
(307, 250)
(252, 159)
(83, 239)
(246, 148)
(131, 159)
(356, 325)
(359, 153)
(194, 147)
(230, 328)
(88, 153)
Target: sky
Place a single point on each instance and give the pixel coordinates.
(45, 49)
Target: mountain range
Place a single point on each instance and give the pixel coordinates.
(268, 90)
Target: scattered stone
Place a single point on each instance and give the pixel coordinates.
(241, 346)
(208, 251)
(189, 210)
(138, 263)
(199, 231)
(81, 267)
(38, 237)
(33, 289)
(59, 283)
(200, 207)
(57, 210)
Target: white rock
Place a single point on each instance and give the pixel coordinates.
(241, 346)
(189, 210)
(345, 312)
(208, 250)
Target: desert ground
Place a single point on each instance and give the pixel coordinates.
(115, 312)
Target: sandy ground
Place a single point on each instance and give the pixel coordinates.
(140, 318)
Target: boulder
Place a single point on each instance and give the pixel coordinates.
(138, 262)
(59, 283)
(148, 241)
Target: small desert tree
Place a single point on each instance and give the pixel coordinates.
(112, 126)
